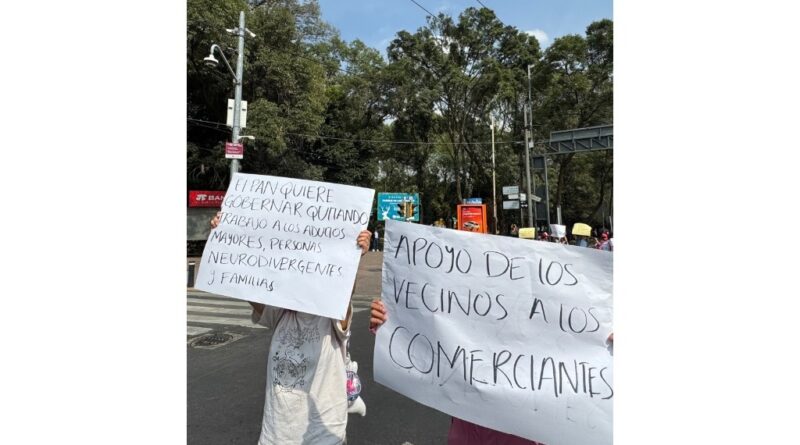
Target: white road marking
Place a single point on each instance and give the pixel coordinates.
(223, 320)
(192, 331)
(219, 302)
(220, 310)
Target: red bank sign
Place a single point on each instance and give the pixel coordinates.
(203, 198)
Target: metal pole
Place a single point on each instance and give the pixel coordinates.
(530, 112)
(528, 139)
(494, 182)
(521, 219)
(237, 98)
(546, 192)
(190, 273)
(528, 169)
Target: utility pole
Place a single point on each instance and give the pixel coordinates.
(237, 98)
(494, 181)
(211, 61)
(528, 139)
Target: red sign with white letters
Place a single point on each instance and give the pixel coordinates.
(234, 150)
(204, 198)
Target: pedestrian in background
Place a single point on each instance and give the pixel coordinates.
(605, 242)
(376, 238)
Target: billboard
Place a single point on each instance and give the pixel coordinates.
(472, 218)
(398, 206)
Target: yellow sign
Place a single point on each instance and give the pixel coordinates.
(580, 229)
(527, 232)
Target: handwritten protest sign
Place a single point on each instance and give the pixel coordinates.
(558, 230)
(503, 333)
(288, 243)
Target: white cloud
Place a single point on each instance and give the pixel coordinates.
(540, 35)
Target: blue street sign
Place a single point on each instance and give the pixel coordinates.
(398, 206)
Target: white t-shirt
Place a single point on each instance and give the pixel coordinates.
(306, 400)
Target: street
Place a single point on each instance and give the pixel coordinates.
(226, 375)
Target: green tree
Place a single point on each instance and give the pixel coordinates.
(445, 80)
(324, 109)
(574, 84)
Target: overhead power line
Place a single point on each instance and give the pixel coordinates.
(423, 8)
(316, 136)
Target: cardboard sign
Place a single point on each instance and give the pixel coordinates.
(527, 232)
(580, 229)
(558, 230)
(503, 333)
(287, 243)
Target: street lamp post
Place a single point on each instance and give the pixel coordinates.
(237, 77)
(494, 181)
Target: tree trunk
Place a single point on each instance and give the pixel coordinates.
(562, 174)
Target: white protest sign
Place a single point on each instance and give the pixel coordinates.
(288, 243)
(558, 230)
(501, 332)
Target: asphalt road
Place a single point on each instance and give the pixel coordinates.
(225, 385)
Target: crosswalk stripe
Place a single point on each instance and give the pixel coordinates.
(206, 296)
(220, 310)
(219, 302)
(206, 308)
(191, 331)
(245, 322)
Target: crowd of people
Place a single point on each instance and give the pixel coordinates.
(601, 239)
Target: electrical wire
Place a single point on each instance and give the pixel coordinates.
(423, 8)
(315, 136)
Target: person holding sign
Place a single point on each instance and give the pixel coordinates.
(306, 399)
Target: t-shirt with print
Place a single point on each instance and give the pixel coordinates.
(306, 399)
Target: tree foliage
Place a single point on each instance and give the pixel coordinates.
(418, 121)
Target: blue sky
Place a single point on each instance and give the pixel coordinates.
(375, 22)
